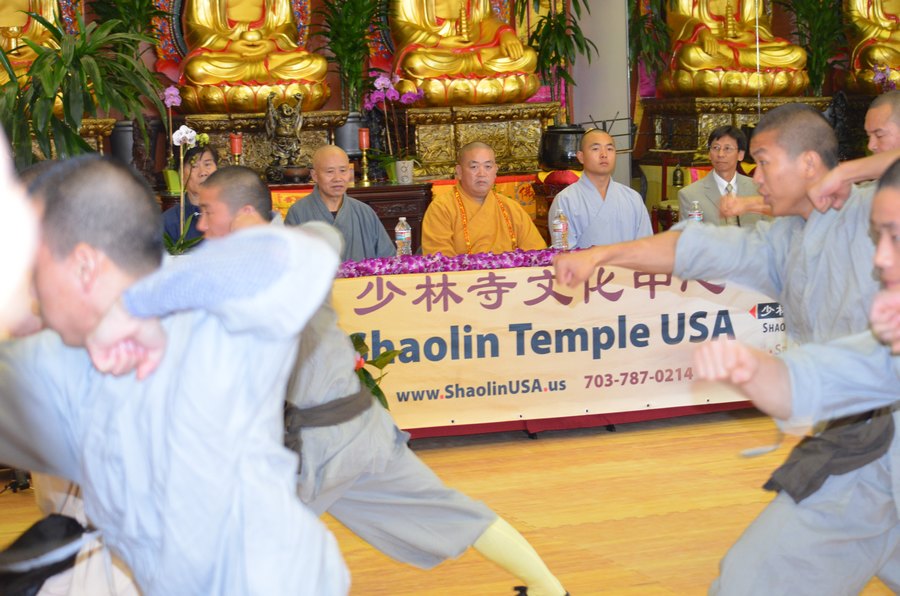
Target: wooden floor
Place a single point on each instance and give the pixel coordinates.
(648, 509)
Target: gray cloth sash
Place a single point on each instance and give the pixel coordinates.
(845, 445)
(331, 413)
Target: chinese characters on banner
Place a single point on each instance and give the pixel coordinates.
(509, 344)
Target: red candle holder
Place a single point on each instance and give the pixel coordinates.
(364, 138)
(237, 145)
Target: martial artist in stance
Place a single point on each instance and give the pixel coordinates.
(355, 463)
(817, 266)
(183, 471)
(860, 535)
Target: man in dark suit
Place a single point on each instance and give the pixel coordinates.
(727, 145)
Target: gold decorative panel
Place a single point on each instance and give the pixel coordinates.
(513, 130)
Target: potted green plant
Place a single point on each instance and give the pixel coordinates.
(94, 69)
(648, 38)
(558, 39)
(134, 16)
(345, 26)
(822, 31)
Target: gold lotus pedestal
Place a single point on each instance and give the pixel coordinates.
(513, 130)
(318, 129)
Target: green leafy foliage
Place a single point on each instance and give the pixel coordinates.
(558, 39)
(134, 16)
(346, 26)
(182, 244)
(380, 363)
(93, 69)
(822, 31)
(648, 36)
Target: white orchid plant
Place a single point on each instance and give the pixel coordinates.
(184, 138)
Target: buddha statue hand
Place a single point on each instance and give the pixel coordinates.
(708, 41)
(252, 50)
(511, 45)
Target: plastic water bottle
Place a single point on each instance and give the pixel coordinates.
(403, 237)
(559, 231)
(696, 213)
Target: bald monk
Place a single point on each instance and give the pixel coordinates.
(364, 234)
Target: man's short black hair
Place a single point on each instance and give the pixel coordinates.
(239, 186)
(105, 204)
(728, 131)
(800, 128)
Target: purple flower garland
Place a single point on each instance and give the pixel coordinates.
(439, 263)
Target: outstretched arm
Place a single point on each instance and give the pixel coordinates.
(653, 254)
(733, 206)
(833, 189)
(244, 279)
(763, 378)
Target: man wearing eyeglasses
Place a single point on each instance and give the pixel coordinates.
(727, 145)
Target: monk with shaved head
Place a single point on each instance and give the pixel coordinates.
(364, 235)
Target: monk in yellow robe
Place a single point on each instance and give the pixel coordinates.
(475, 219)
(15, 25)
(245, 41)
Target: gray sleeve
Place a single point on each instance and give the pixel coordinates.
(293, 215)
(264, 279)
(843, 377)
(753, 257)
(644, 227)
(35, 427)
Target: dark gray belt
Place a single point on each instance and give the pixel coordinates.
(331, 413)
(845, 445)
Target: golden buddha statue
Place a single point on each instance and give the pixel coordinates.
(876, 44)
(15, 25)
(715, 49)
(459, 53)
(240, 51)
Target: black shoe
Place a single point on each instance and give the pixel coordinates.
(523, 591)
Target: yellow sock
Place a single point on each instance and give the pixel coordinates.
(503, 545)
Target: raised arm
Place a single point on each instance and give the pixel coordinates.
(265, 280)
(734, 206)
(653, 254)
(763, 378)
(832, 191)
(847, 376)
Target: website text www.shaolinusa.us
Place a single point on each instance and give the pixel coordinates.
(489, 389)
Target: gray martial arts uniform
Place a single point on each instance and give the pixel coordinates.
(184, 472)
(841, 378)
(820, 270)
(364, 234)
(362, 472)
